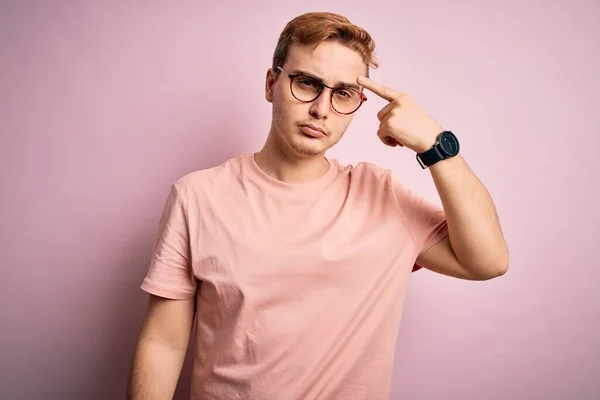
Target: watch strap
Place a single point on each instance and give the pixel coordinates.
(430, 157)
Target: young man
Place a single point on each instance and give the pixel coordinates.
(295, 266)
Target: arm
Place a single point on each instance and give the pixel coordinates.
(172, 285)
(161, 349)
(475, 248)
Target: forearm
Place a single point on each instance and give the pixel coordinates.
(473, 225)
(154, 371)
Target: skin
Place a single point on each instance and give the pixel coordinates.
(161, 349)
(288, 154)
(474, 249)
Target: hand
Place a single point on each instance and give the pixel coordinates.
(402, 122)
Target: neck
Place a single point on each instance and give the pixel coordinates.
(290, 168)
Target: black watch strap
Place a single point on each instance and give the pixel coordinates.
(445, 147)
(430, 157)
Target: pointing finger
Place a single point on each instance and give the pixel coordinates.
(382, 91)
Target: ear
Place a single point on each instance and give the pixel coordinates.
(269, 84)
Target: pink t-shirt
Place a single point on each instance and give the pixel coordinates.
(299, 287)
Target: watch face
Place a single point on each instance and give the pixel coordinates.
(449, 143)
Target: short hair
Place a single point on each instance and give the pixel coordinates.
(315, 27)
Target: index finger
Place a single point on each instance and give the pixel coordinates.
(382, 91)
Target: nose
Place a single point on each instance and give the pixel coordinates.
(321, 107)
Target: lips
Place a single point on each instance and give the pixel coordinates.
(312, 131)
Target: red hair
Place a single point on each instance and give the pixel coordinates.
(316, 27)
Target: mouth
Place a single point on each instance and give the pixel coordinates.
(312, 131)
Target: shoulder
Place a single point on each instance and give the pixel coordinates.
(196, 182)
(368, 173)
(369, 176)
(365, 167)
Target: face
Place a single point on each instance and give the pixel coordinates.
(335, 65)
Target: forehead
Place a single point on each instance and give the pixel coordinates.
(330, 61)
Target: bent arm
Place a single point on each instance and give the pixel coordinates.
(161, 349)
(475, 248)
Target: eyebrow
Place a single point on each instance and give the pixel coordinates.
(337, 84)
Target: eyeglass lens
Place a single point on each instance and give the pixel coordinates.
(307, 89)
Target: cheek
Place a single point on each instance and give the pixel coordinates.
(287, 111)
(341, 126)
(279, 110)
(281, 116)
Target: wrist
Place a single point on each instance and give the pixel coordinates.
(424, 146)
(432, 138)
(445, 146)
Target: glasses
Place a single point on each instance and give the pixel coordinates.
(306, 88)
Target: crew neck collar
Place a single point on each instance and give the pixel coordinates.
(274, 183)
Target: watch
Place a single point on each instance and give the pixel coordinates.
(446, 146)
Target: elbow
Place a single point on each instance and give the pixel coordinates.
(493, 268)
(502, 262)
(498, 271)
(503, 267)
(488, 273)
(497, 261)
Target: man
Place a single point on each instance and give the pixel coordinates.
(295, 266)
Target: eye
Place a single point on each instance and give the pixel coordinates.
(308, 82)
(346, 95)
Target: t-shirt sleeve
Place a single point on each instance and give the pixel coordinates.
(425, 221)
(170, 273)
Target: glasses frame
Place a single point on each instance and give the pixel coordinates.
(322, 86)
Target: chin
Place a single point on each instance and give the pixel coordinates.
(306, 146)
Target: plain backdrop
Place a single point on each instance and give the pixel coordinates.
(103, 104)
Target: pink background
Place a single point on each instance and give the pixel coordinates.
(104, 104)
